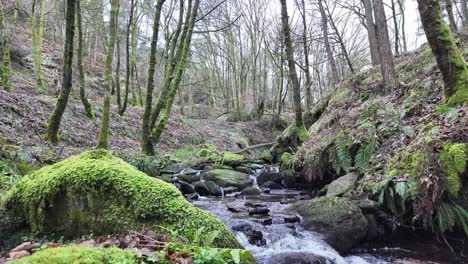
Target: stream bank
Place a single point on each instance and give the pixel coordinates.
(266, 224)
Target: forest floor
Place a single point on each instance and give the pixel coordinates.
(24, 120)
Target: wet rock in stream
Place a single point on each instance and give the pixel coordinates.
(255, 236)
(298, 258)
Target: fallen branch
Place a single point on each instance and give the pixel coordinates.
(254, 147)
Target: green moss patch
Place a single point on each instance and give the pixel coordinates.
(98, 193)
(453, 157)
(82, 255)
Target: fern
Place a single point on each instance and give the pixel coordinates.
(343, 158)
(451, 216)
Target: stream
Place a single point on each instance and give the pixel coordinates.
(279, 232)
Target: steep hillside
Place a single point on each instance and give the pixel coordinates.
(408, 149)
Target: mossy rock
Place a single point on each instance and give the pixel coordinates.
(228, 178)
(340, 220)
(82, 255)
(232, 159)
(98, 193)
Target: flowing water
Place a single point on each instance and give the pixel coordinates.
(282, 233)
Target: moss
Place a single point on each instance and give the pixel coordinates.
(453, 157)
(98, 193)
(408, 163)
(232, 159)
(460, 97)
(82, 255)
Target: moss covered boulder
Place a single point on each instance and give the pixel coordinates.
(98, 193)
(229, 178)
(338, 219)
(83, 255)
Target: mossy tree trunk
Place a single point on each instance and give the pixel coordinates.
(117, 74)
(103, 141)
(6, 38)
(449, 58)
(37, 42)
(187, 38)
(129, 59)
(172, 58)
(372, 35)
(56, 116)
(146, 144)
(84, 99)
(299, 123)
(387, 65)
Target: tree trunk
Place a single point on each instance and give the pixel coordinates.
(372, 35)
(146, 144)
(390, 79)
(178, 77)
(305, 47)
(128, 55)
(6, 39)
(117, 74)
(172, 60)
(395, 25)
(403, 24)
(37, 39)
(84, 99)
(59, 109)
(299, 123)
(103, 141)
(464, 8)
(449, 58)
(449, 8)
(328, 49)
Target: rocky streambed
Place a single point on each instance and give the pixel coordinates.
(273, 220)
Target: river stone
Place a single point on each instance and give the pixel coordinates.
(166, 177)
(189, 178)
(254, 236)
(341, 185)
(272, 185)
(259, 211)
(228, 178)
(207, 188)
(251, 191)
(229, 190)
(297, 258)
(232, 159)
(340, 220)
(243, 169)
(270, 176)
(186, 188)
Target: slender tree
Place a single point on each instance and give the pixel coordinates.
(87, 105)
(305, 47)
(103, 141)
(464, 7)
(185, 46)
(6, 37)
(449, 58)
(37, 42)
(299, 123)
(451, 17)
(328, 49)
(128, 57)
(387, 64)
(56, 116)
(146, 143)
(372, 35)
